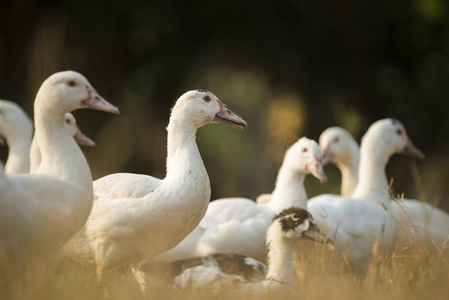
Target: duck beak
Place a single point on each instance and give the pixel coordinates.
(228, 118)
(315, 167)
(82, 139)
(412, 151)
(327, 155)
(315, 234)
(97, 102)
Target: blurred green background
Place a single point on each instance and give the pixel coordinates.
(289, 68)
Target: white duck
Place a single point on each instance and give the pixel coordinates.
(46, 208)
(239, 225)
(357, 222)
(138, 216)
(246, 274)
(340, 148)
(16, 128)
(74, 131)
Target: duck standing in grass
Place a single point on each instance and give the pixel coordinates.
(138, 216)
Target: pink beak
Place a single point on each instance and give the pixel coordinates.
(82, 139)
(97, 102)
(316, 169)
(327, 155)
(412, 151)
(228, 118)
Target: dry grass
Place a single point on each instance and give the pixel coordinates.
(409, 271)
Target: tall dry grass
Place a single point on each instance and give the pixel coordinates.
(406, 273)
(411, 270)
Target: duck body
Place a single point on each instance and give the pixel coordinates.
(124, 229)
(213, 271)
(125, 185)
(354, 226)
(136, 217)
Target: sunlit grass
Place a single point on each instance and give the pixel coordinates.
(411, 270)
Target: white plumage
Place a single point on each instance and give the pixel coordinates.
(17, 129)
(239, 225)
(74, 131)
(137, 216)
(340, 148)
(357, 222)
(44, 209)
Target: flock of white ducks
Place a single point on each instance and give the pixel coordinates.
(123, 220)
(424, 221)
(239, 225)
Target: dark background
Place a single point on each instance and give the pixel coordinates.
(290, 68)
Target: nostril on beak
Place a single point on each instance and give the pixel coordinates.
(97, 98)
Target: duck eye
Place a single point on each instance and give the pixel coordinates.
(67, 121)
(71, 83)
(304, 149)
(336, 140)
(399, 131)
(295, 217)
(207, 98)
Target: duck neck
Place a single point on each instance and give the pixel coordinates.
(289, 190)
(18, 156)
(349, 169)
(61, 157)
(35, 156)
(373, 184)
(183, 156)
(280, 261)
(185, 168)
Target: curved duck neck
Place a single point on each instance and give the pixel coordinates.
(185, 167)
(373, 184)
(18, 156)
(349, 173)
(289, 190)
(183, 155)
(61, 157)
